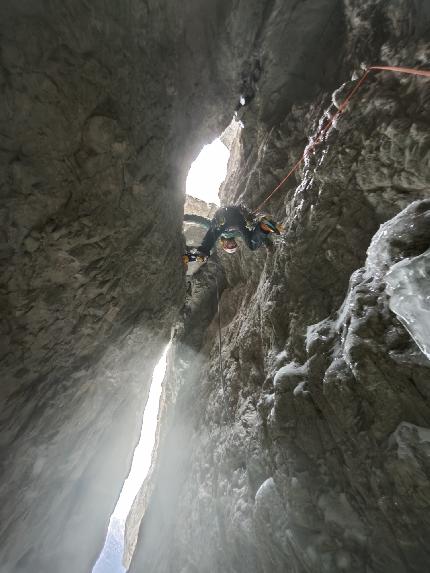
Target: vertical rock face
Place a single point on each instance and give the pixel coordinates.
(307, 451)
(310, 452)
(104, 105)
(84, 309)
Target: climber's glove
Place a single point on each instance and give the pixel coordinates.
(191, 256)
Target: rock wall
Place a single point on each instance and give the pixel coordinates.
(104, 106)
(307, 450)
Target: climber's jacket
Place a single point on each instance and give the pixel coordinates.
(231, 222)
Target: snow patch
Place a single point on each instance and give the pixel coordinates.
(266, 488)
(313, 333)
(407, 438)
(300, 389)
(289, 372)
(281, 357)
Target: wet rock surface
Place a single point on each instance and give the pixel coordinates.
(308, 450)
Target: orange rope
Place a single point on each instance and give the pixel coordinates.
(341, 108)
(413, 71)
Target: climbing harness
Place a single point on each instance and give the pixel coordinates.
(324, 129)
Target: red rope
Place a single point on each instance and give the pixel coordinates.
(340, 110)
(413, 71)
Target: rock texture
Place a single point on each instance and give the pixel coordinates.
(308, 450)
(193, 232)
(81, 194)
(104, 106)
(311, 454)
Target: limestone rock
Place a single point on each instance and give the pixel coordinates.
(308, 454)
(104, 105)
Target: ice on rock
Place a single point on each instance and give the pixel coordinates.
(408, 285)
(398, 236)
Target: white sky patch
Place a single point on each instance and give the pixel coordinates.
(110, 560)
(208, 171)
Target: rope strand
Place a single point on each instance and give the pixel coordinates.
(343, 105)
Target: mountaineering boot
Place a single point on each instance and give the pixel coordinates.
(268, 225)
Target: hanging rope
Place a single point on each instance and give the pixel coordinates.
(325, 128)
(221, 370)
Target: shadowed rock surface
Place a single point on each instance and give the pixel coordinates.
(313, 454)
(104, 106)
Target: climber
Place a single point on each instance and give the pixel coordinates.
(227, 224)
